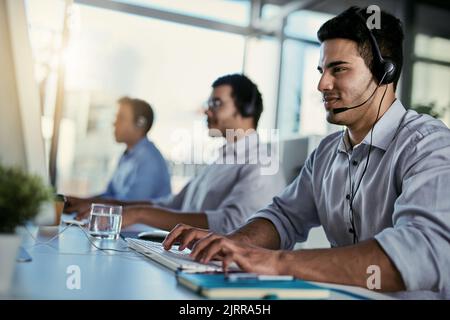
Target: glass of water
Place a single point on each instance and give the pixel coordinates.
(105, 221)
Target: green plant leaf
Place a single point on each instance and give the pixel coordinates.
(21, 195)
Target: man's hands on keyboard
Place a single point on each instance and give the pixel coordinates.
(185, 235)
(174, 251)
(173, 258)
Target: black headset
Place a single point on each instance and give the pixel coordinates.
(141, 122)
(383, 69)
(249, 108)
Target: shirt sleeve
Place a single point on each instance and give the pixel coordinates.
(293, 213)
(174, 202)
(419, 242)
(251, 192)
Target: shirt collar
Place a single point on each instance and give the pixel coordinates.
(344, 145)
(139, 145)
(384, 131)
(387, 126)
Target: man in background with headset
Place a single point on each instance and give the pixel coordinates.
(225, 193)
(142, 173)
(379, 189)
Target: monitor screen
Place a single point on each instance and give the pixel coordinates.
(21, 140)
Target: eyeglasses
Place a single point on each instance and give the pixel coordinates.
(214, 103)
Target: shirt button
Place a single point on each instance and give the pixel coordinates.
(355, 163)
(347, 197)
(350, 230)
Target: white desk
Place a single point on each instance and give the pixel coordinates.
(104, 275)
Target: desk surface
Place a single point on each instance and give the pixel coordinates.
(103, 274)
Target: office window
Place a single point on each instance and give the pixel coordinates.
(431, 75)
(111, 54)
(301, 110)
(432, 47)
(305, 24)
(233, 12)
(171, 65)
(45, 20)
(270, 11)
(430, 88)
(261, 66)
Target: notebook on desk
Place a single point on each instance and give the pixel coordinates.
(220, 287)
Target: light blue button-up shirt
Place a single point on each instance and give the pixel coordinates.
(403, 200)
(141, 174)
(232, 188)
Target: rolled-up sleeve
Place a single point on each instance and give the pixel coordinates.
(418, 244)
(251, 192)
(294, 212)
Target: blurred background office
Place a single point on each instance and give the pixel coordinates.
(87, 53)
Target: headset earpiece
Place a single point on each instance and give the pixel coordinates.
(141, 122)
(388, 71)
(383, 69)
(249, 108)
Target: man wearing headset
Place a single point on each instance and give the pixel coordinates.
(224, 194)
(379, 189)
(142, 173)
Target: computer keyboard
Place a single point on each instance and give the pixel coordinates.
(172, 259)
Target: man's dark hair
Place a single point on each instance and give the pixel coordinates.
(245, 94)
(348, 25)
(142, 112)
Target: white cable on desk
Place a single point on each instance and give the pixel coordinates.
(47, 243)
(102, 249)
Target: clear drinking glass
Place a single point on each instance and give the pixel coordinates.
(105, 221)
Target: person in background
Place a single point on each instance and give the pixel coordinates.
(225, 193)
(141, 174)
